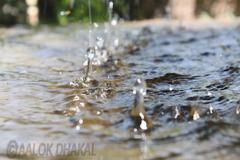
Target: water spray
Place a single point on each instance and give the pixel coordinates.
(138, 112)
(90, 49)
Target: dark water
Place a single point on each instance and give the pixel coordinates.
(193, 88)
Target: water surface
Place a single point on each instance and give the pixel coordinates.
(188, 69)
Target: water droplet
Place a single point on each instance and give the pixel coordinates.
(100, 42)
(116, 42)
(170, 88)
(177, 113)
(141, 115)
(143, 125)
(195, 116)
(103, 95)
(78, 109)
(74, 84)
(238, 110)
(110, 5)
(90, 53)
(78, 127)
(80, 121)
(140, 86)
(95, 25)
(114, 22)
(82, 104)
(211, 109)
(98, 112)
(209, 93)
(75, 109)
(76, 98)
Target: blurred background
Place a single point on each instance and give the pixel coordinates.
(63, 12)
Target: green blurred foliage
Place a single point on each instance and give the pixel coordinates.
(78, 11)
(52, 11)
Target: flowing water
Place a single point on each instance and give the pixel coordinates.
(192, 91)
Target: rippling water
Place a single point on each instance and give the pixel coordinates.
(192, 77)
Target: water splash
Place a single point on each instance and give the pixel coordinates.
(138, 113)
(140, 87)
(143, 124)
(139, 90)
(101, 54)
(88, 71)
(90, 50)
